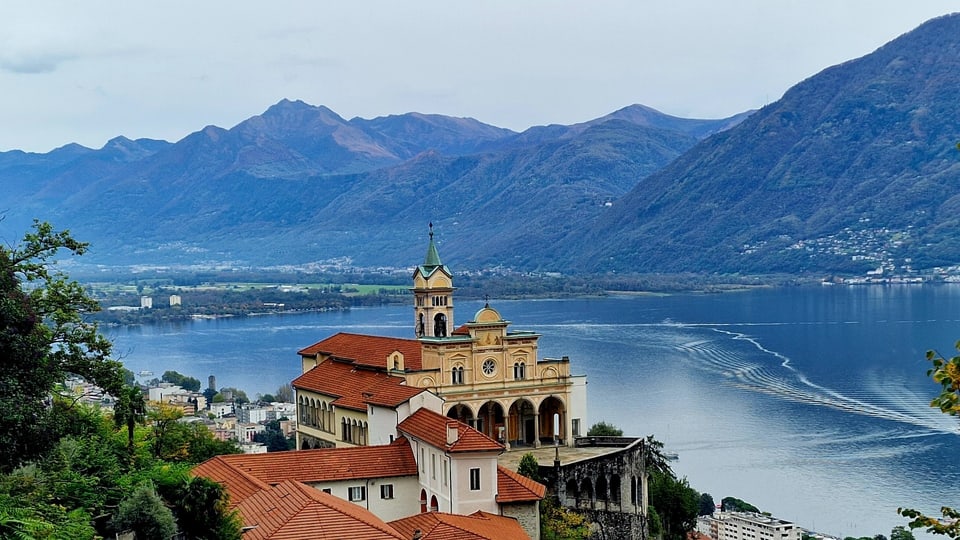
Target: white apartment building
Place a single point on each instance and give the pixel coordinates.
(747, 526)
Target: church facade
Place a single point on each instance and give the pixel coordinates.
(485, 374)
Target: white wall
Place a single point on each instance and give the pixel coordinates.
(405, 501)
(578, 405)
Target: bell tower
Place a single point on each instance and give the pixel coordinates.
(432, 295)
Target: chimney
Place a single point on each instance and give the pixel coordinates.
(417, 534)
(453, 434)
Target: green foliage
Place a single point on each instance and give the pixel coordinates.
(172, 440)
(946, 373)
(901, 533)
(20, 521)
(733, 504)
(64, 467)
(43, 338)
(559, 523)
(654, 458)
(676, 503)
(274, 438)
(603, 429)
(707, 506)
(529, 467)
(145, 513)
(654, 523)
(187, 383)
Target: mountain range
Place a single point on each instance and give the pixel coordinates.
(854, 168)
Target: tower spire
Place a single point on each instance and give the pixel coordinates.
(433, 257)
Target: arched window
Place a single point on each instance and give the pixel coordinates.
(519, 371)
(456, 375)
(434, 507)
(440, 325)
(423, 501)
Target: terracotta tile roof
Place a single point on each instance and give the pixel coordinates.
(367, 350)
(476, 526)
(310, 466)
(431, 427)
(462, 330)
(353, 387)
(293, 511)
(239, 484)
(514, 487)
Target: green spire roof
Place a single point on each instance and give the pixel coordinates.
(433, 257)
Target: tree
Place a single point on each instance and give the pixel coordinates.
(654, 458)
(202, 513)
(603, 429)
(284, 393)
(43, 338)
(183, 381)
(130, 410)
(708, 507)
(901, 533)
(145, 514)
(946, 373)
(733, 504)
(529, 467)
(676, 503)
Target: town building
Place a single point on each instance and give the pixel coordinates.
(487, 375)
(434, 464)
(747, 526)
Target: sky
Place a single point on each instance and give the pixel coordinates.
(86, 72)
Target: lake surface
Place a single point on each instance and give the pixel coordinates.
(810, 403)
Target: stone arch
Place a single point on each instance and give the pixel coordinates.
(522, 422)
(572, 493)
(602, 496)
(491, 421)
(553, 420)
(585, 500)
(615, 488)
(462, 412)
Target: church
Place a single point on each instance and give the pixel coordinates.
(481, 373)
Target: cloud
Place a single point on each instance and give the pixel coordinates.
(33, 63)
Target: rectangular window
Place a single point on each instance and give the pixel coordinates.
(386, 491)
(358, 493)
(576, 427)
(433, 466)
(423, 461)
(445, 474)
(475, 479)
(326, 490)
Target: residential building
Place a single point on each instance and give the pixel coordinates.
(747, 526)
(434, 464)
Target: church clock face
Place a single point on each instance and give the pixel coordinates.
(488, 367)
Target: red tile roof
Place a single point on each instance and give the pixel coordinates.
(476, 526)
(311, 466)
(239, 484)
(514, 487)
(293, 511)
(367, 350)
(353, 387)
(431, 427)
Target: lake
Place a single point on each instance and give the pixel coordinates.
(811, 403)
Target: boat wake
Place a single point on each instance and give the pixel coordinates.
(780, 378)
